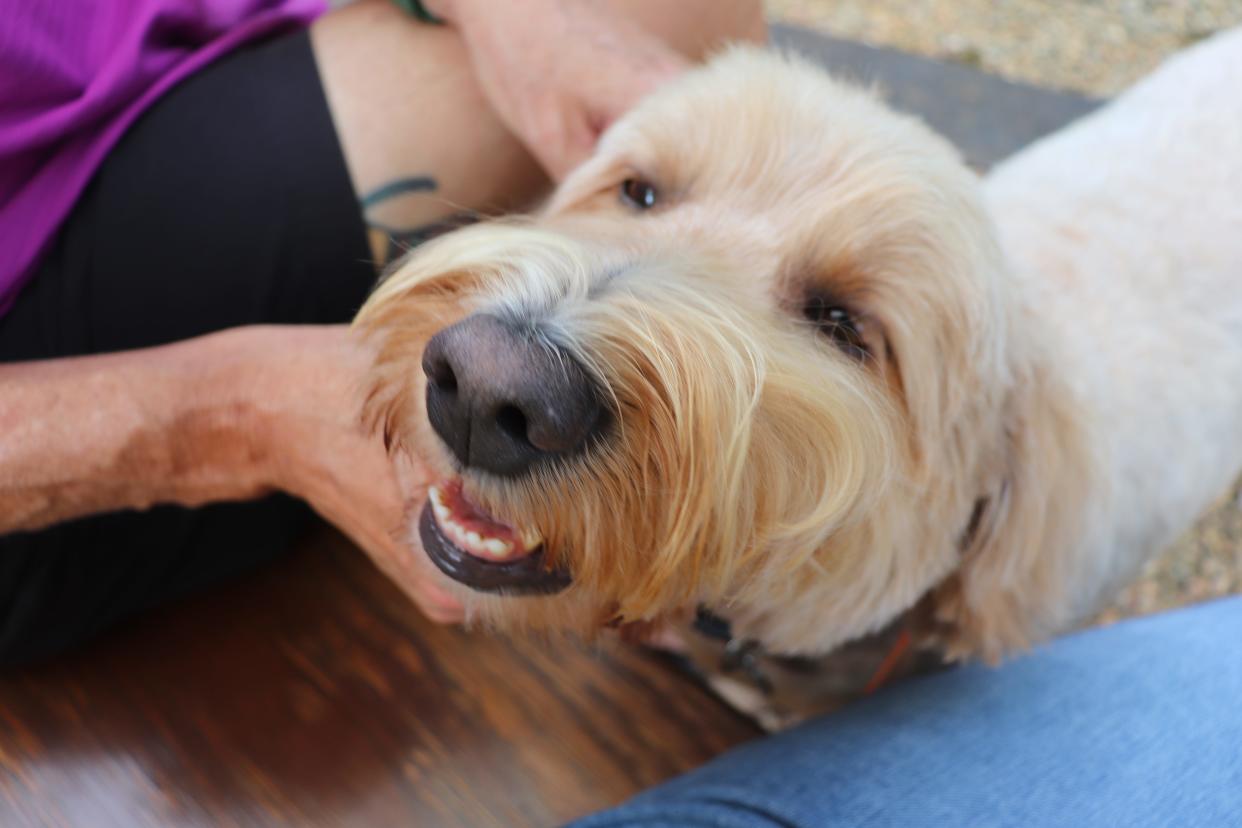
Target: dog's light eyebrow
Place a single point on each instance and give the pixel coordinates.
(615, 271)
(607, 277)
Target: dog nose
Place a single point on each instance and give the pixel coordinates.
(504, 400)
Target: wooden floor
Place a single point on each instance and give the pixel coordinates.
(315, 695)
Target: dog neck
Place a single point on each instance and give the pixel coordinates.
(778, 689)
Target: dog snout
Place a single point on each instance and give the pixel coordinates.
(504, 400)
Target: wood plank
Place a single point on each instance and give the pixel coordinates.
(314, 694)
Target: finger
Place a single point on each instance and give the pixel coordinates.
(628, 89)
(432, 600)
(440, 613)
(428, 590)
(556, 142)
(579, 134)
(437, 604)
(412, 572)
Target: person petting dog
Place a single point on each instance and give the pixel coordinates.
(771, 359)
(170, 169)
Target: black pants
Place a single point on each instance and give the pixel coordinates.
(227, 204)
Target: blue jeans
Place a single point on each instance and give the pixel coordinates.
(1139, 724)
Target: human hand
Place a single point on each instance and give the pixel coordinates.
(559, 72)
(324, 455)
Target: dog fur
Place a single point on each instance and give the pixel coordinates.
(1051, 390)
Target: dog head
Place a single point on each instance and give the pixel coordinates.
(756, 354)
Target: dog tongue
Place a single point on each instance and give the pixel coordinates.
(474, 531)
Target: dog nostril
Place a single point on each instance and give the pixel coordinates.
(443, 378)
(512, 422)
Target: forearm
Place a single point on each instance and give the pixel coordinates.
(178, 424)
(225, 417)
(696, 28)
(692, 27)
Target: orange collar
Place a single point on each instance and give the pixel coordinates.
(885, 671)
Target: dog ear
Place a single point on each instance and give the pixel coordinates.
(1017, 581)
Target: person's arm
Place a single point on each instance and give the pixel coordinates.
(168, 425)
(230, 416)
(559, 72)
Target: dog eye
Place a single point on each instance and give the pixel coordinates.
(637, 193)
(837, 323)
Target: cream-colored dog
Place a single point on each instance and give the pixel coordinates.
(775, 352)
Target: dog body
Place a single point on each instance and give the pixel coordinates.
(766, 352)
(1124, 235)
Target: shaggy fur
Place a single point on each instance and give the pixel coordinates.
(1081, 393)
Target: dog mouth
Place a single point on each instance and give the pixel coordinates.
(478, 550)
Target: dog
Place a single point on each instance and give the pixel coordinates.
(776, 357)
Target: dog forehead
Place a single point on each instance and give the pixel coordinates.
(794, 175)
(753, 119)
(771, 135)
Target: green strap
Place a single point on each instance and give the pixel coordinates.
(414, 8)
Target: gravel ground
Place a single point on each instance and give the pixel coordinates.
(1096, 47)
(1205, 563)
(1093, 46)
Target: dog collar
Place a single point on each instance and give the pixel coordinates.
(747, 657)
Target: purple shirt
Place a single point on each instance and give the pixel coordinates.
(74, 74)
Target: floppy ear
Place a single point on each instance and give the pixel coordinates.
(1020, 572)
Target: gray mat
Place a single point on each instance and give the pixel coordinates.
(986, 117)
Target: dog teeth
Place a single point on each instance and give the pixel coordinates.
(471, 540)
(498, 548)
(437, 506)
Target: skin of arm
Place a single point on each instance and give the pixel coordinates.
(230, 416)
(167, 425)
